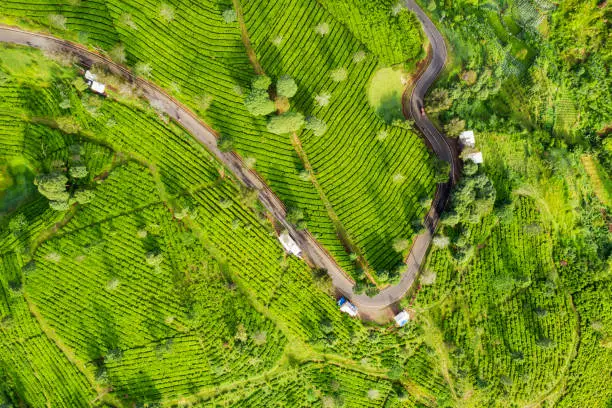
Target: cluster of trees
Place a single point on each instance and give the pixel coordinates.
(265, 98)
(473, 199)
(65, 186)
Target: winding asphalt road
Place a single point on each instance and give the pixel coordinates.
(312, 251)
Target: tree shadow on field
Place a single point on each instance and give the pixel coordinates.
(139, 389)
(390, 107)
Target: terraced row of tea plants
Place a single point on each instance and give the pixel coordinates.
(166, 285)
(374, 175)
(312, 384)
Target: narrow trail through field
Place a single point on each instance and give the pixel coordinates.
(246, 40)
(338, 226)
(313, 252)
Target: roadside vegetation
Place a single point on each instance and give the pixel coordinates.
(518, 281)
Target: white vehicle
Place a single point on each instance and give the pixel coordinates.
(347, 307)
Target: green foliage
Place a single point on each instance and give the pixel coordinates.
(84, 196)
(68, 124)
(53, 186)
(78, 171)
(317, 126)
(262, 82)
(258, 102)
(454, 127)
(286, 123)
(473, 198)
(229, 16)
(286, 86)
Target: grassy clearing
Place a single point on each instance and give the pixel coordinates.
(600, 179)
(385, 93)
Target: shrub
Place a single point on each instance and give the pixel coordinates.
(117, 54)
(229, 16)
(59, 205)
(154, 258)
(398, 178)
(441, 241)
(470, 168)
(18, 224)
(317, 126)
(339, 74)
(57, 21)
(225, 143)
(260, 338)
(372, 291)
(278, 40)
(78, 171)
(428, 277)
(322, 29)
(397, 8)
(286, 123)
(126, 20)
(322, 99)
(401, 244)
(261, 82)
(286, 86)
(359, 56)
(454, 127)
(258, 103)
(84, 196)
(53, 186)
(166, 12)
(143, 69)
(68, 124)
(204, 101)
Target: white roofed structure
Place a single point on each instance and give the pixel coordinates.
(289, 244)
(476, 157)
(467, 138)
(401, 318)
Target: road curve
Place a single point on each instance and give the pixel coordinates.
(313, 252)
(441, 145)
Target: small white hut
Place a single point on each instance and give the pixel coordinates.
(401, 318)
(467, 138)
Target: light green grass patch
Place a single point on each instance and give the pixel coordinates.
(25, 64)
(385, 93)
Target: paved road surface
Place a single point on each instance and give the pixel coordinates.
(312, 251)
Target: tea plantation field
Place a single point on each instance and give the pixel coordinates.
(373, 174)
(165, 284)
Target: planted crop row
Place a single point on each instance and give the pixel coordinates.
(197, 56)
(45, 376)
(356, 170)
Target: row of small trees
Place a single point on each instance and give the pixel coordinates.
(65, 186)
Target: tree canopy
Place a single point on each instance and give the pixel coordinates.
(286, 86)
(258, 103)
(286, 123)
